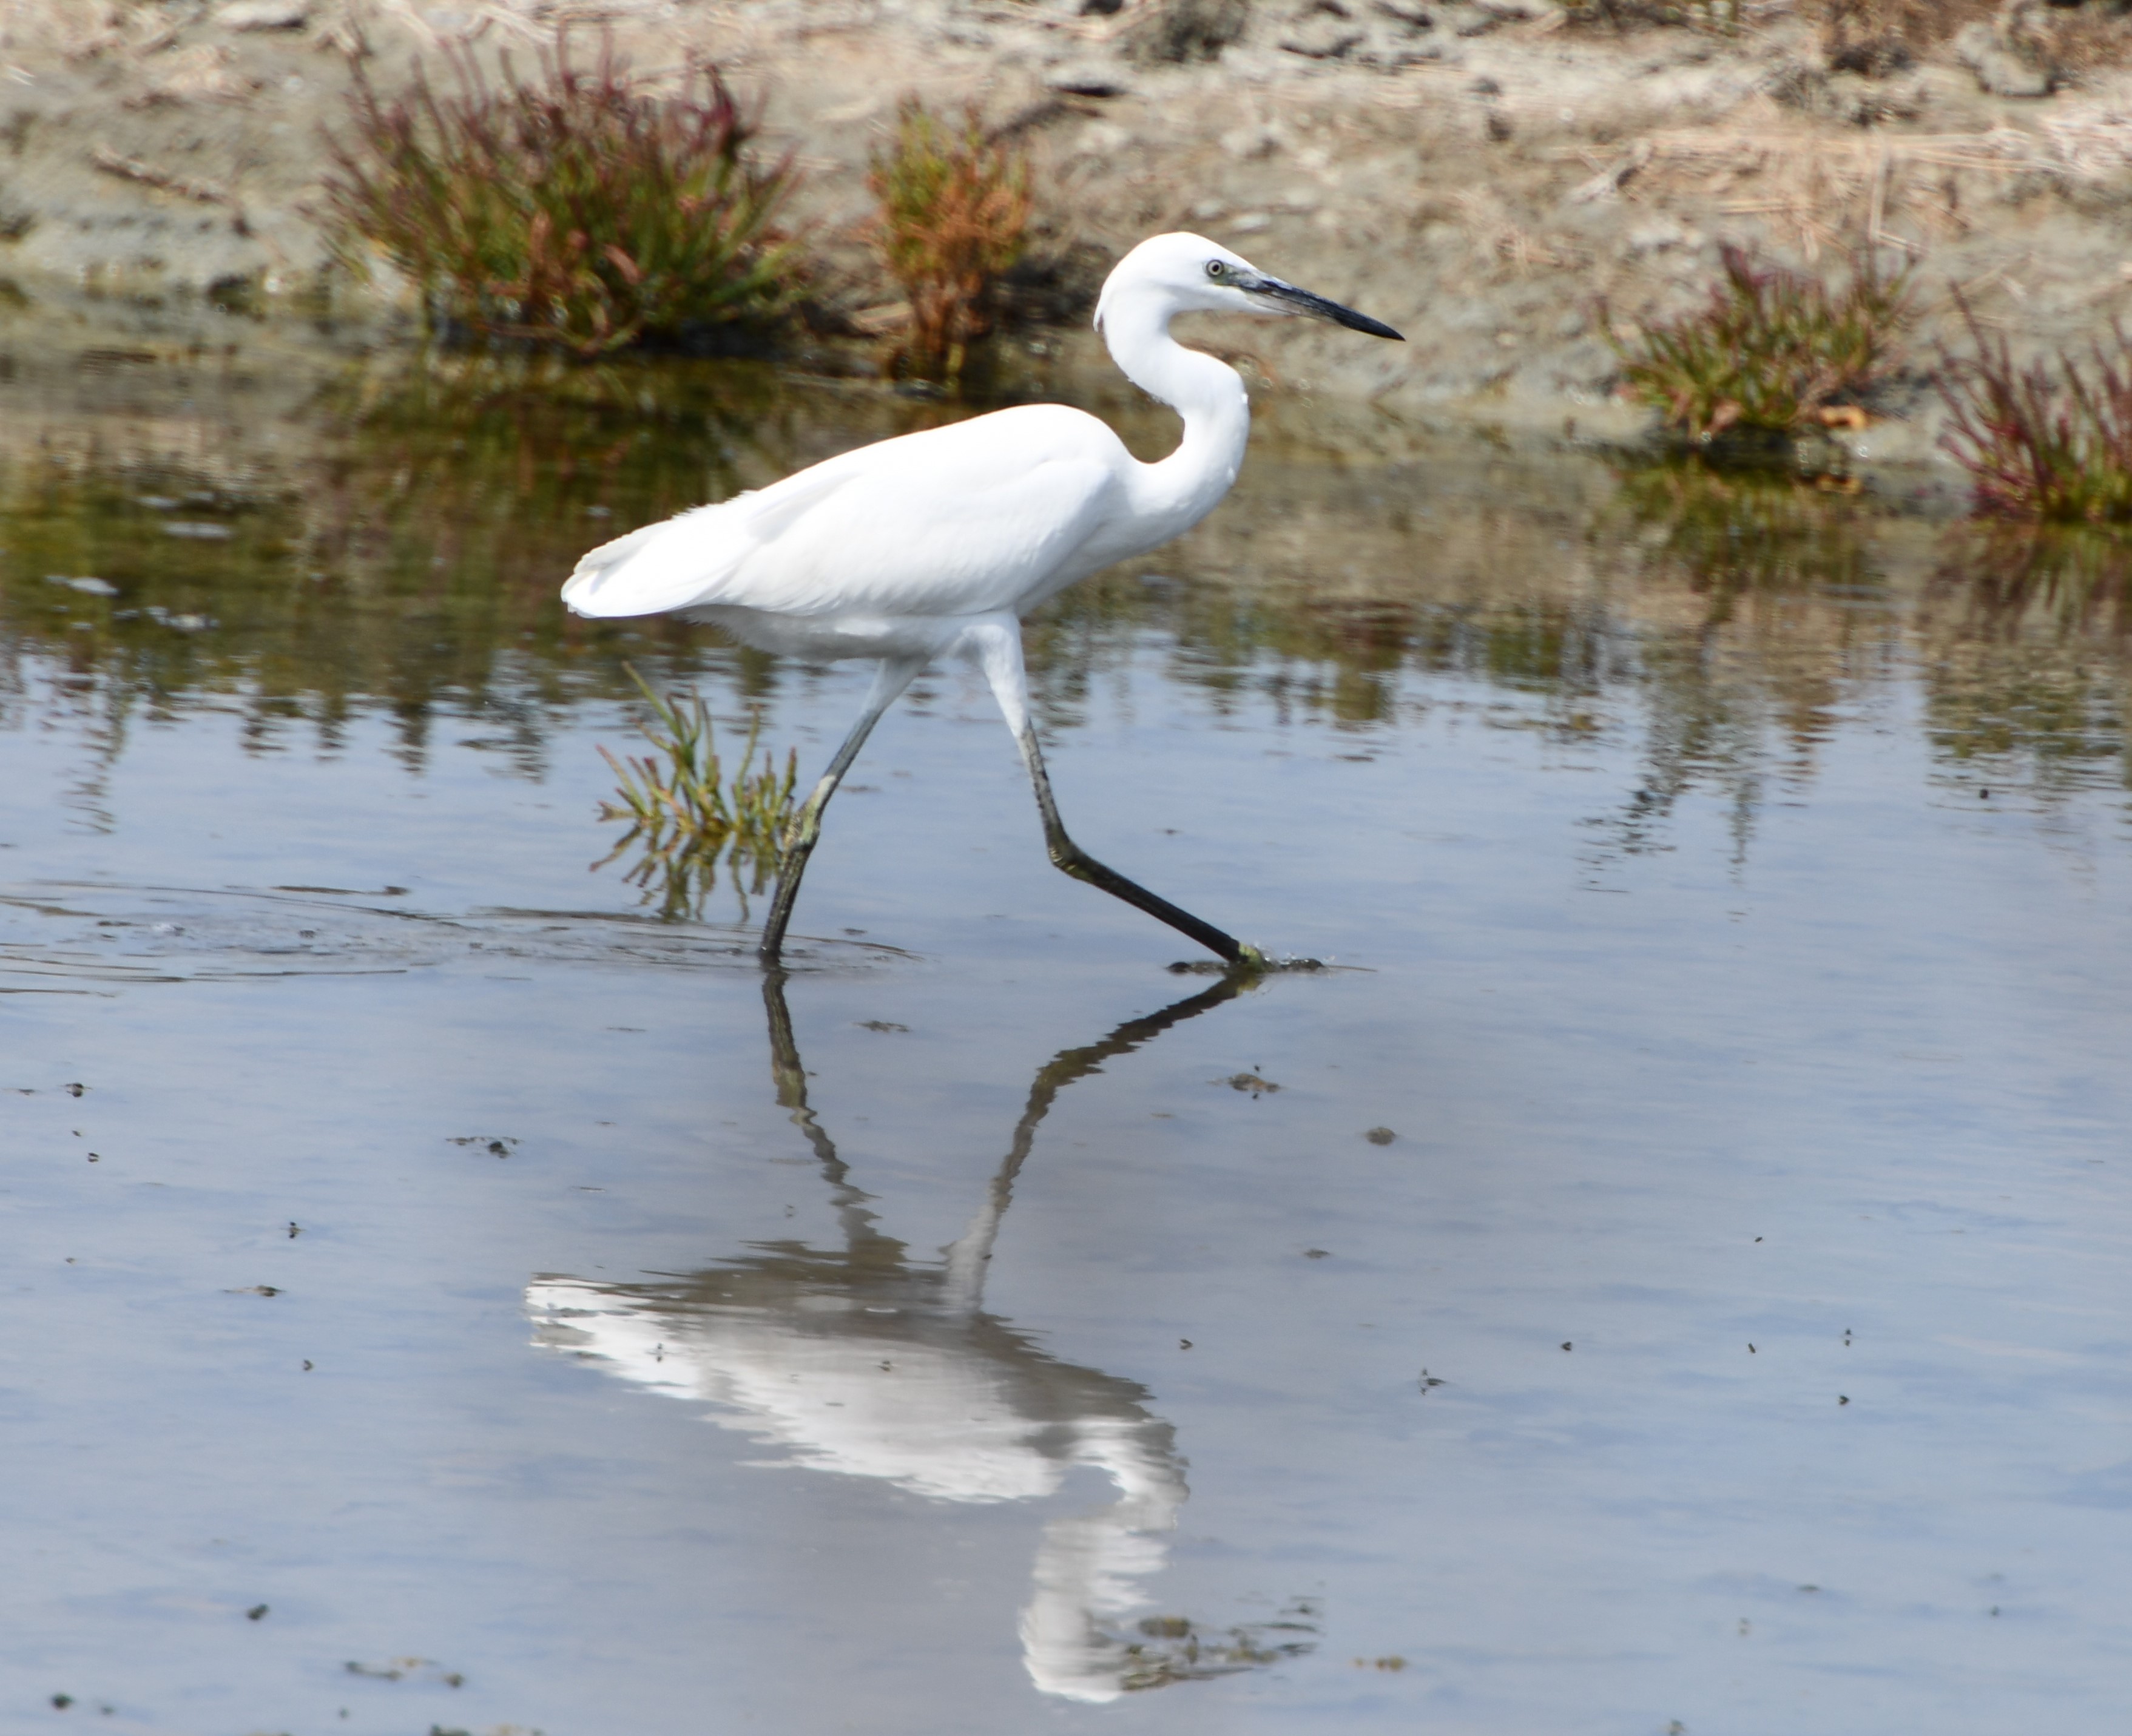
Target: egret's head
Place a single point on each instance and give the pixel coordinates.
(1184, 273)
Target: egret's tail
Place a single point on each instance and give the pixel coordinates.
(699, 556)
(596, 587)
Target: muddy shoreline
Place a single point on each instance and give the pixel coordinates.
(1488, 182)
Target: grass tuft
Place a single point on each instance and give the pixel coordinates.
(578, 208)
(1877, 37)
(1619, 15)
(954, 214)
(687, 818)
(1773, 350)
(2038, 442)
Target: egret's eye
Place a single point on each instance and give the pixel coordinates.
(1215, 268)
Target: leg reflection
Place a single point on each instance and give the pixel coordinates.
(863, 1360)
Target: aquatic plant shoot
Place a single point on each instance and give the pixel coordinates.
(687, 815)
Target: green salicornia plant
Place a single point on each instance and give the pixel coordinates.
(954, 210)
(2039, 442)
(1773, 348)
(578, 208)
(687, 817)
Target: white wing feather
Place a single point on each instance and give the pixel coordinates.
(978, 516)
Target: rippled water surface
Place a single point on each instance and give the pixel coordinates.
(1671, 1275)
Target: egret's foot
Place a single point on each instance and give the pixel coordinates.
(1250, 962)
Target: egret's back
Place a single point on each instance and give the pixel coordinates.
(992, 513)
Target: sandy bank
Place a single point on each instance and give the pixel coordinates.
(1484, 176)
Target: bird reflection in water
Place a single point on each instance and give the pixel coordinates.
(863, 1361)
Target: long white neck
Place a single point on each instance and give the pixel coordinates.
(1176, 493)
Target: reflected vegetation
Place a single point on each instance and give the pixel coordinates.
(2020, 634)
(1767, 608)
(2029, 669)
(862, 1360)
(382, 536)
(301, 538)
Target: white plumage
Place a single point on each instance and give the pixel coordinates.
(966, 520)
(940, 541)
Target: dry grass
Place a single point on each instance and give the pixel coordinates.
(1877, 37)
(954, 214)
(579, 208)
(1819, 189)
(1505, 247)
(2092, 40)
(1727, 16)
(1816, 190)
(1881, 37)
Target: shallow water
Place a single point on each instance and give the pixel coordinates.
(1671, 1274)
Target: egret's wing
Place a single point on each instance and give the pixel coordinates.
(904, 542)
(955, 521)
(675, 562)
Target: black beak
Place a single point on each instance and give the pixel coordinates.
(1290, 299)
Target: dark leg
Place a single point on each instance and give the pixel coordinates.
(994, 641)
(1069, 856)
(894, 675)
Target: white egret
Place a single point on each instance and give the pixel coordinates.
(940, 542)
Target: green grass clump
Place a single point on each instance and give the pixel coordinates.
(954, 214)
(577, 208)
(686, 817)
(2040, 442)
(1772, 350)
